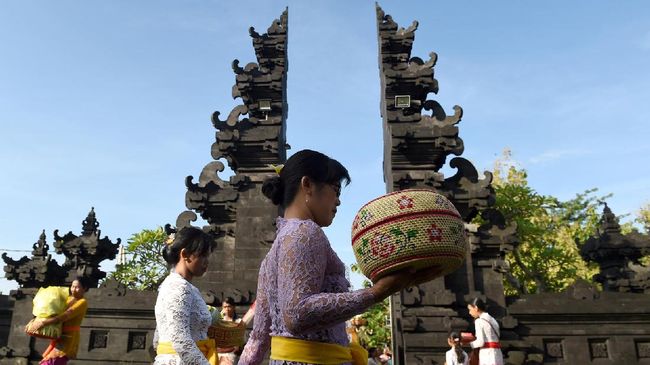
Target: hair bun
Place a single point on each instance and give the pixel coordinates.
(273, 188)
(166, 254)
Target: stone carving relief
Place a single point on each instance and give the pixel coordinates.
(598, 349)
(553, 349)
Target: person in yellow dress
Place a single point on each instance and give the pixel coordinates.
(61, 350)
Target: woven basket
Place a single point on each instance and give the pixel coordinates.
(227, 334)
(408, 228)
(51, 332)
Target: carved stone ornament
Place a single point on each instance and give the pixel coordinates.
(258, 139)
(35, 272)
(553, 349)
(85, 252)
(618, 256)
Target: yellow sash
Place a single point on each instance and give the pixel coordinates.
(293, 349)
(207, 347)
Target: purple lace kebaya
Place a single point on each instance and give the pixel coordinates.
(302, 292)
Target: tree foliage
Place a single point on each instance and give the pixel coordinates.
(145, 268)
(643, 218)
(377, 332)
(641, 224)
(547, 258)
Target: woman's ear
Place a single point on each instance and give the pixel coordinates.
(183, 255)
(306, 184)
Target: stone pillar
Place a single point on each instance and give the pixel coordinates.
(252, 139)
(418, 138)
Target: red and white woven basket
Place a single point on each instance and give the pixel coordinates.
(408, 228)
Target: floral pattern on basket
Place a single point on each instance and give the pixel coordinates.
(362, 219)
(435, 233)
(405, 202)
(409, 228)
(382, 245)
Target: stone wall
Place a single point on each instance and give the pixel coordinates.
(583, 326)
(6, 309)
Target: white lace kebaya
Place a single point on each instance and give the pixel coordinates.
(182, 318)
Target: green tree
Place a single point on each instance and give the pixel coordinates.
(145, 268)
(377, 333)
(547, 258)
(643, 218)
(641, 224)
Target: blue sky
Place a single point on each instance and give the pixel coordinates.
(108, 104)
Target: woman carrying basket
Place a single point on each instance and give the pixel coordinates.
(61, 350)
(228, 356)
(303, 297)
(182, 318)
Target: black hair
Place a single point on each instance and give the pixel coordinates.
(371, 351)
(478, 303)
(231, 301)
(455, 338)
(193, 240)
(83, 281)
(282, 189)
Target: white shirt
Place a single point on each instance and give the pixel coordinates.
(487, 330)
(451, 359)
(182, 318)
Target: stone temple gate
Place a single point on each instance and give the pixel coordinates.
(582, 325)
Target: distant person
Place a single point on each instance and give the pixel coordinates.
(228, 356)
(356, 329)
(373, 356)
(182, 317)
(61, 350)
(386, 357)
(303, 297)
(456, 355)
(487, 334)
